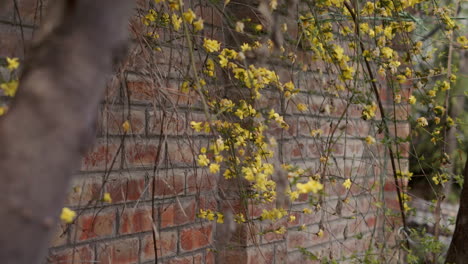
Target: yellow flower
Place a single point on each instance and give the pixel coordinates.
(240, 26)
(292, 218)
(13, 63)
(316, 132)
(214, 167)
(203, 160)
(301, 107)
(397, 98)
(174, 5)
(126, 126)
(347, 184)
(338, 52)
(273, 4)
(450, 121)
(239, 218)
(197, 126)
(176, 22)
(369, 111)
(293, 195)
(387, 52)
(439, 110)
(219, 218)
(445, 86)
(284, 27)
(202, 213)
(2, 110)
(280, 230)
(306, 211)
(412, 99)
(320, 233)
(370, 140)
(422, 121)
(210, 215)
(289, 86)
(431, 93)
(211, 45)
(258, 27)
(273, 214)
(198, 25)
(67, 215)
(9, 88)
(107, 198)
(245, 47)
(463, 41)
(189, 16)
(311, 186)
(323, 159)
(223, 61)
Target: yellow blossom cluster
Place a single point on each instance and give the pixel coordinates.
(211, 215)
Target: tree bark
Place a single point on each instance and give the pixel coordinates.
(458, 250)
(50, 121)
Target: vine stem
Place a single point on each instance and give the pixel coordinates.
(383, 117)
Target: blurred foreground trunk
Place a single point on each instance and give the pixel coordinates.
(51, 120)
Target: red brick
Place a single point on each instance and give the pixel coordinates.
(210, 258)
(261, 255)
(270, 235)
(96, 225)
(232, 256)
(245, 235)
(208, 202)
(101, 156)
(298, 239)
(60, 236)
(297, 149)
(195, 237)
(135, 220)
(277, 131)
(166, 245)
(181, 151)
(114, 117)
(166, 123)
(141, 91)
(178, 213)
(169, 183)
(123, 251)
(138, 154)
(83, 191)
(30, 12)
(83, 254)
(125, 189)
(298, 257)
(281, 253)
(180, 260)
(198, 181)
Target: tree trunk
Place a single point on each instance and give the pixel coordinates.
(458, 250)
(50, 121)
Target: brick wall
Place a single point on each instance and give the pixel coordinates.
(157, 189)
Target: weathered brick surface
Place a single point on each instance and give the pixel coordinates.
(154, 163)
(92, 225)
(83, 254)
(195, 237)
(121, 251)
(166, 245)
